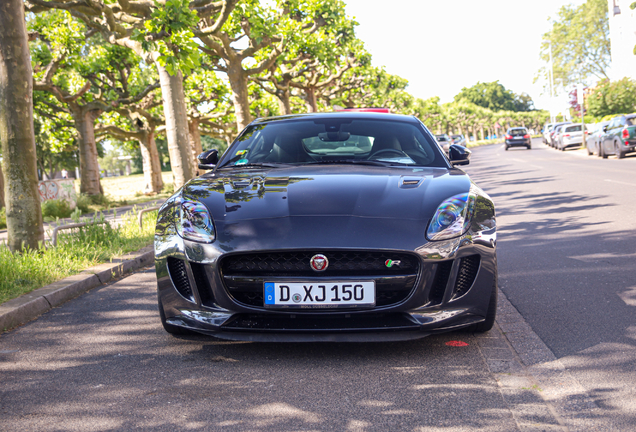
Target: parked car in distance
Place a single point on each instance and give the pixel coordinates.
(459, 139)
(444, 141)
(332, 227)
(546, 132)
(592, 142)
(571, 136)
(619, 137)
(555, 133)
(518, 137)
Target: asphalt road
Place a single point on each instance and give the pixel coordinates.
(567, 260)
(102, 362)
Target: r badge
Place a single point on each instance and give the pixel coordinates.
(319, 262)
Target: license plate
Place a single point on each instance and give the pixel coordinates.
(319, 295)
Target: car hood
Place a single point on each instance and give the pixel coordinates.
(313, 205)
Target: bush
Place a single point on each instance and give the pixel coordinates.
(3, 217)
(53, 209)
(83, 203)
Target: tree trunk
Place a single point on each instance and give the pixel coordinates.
(89, 167)
(24, 214)
(195, 139)
(1, 188)
(310, 99)
(174, 109)
(284, 102)
(151, 163)
(240, 95)
(481, 132)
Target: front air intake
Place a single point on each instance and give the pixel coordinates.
(179, 276)
(468, 267)
(439, 283)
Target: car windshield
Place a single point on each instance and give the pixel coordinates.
(333, 140)
(441, 138)
(518, 132)
(630, 121)
(576, 128)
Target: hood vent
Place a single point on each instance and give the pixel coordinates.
(410, 182)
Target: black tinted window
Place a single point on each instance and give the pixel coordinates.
(331, 140)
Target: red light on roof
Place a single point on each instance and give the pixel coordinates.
(376, 110)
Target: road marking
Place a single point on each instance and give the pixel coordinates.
(620, 182)
(628, 296)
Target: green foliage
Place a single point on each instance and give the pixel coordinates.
(612, 98)
(3, 217)
(580, 44)
(168, 32)
(495, 97)
(56, 208)
(24, 272)
(83, 203)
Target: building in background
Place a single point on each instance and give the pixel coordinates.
(622, 28)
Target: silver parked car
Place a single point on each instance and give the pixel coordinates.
(593, 139)
(571, 136)
(553, 136)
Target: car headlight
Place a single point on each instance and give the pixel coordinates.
(194, 222)
(452, 217)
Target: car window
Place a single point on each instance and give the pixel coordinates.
(576, 128)
(630, 121)
(518, 132)
(331, 140)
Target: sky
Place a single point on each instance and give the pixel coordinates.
(441, 46)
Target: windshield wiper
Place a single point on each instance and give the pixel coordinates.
(347, 161)
(257, 165)
(359, 162)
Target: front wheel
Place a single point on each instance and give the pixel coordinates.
(491, 313)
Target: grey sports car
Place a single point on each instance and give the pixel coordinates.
(344, 226)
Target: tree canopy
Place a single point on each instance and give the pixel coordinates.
(580, 45)
(495, 97)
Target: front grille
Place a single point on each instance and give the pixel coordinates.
(244, 274)
(468, 267)
(297, 263)
(179, 276)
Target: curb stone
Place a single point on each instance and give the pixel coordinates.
(539, 390)
(30, 306)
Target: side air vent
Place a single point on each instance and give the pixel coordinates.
(179, 276)
(468, 267)
(203, 286)
(439, 283)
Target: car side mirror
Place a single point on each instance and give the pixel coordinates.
(459, 155)
(605, 128)
(208, 159)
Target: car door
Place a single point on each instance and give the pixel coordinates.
(606, 138)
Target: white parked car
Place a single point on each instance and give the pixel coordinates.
(571, 136)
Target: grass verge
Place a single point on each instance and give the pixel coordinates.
(75, 251)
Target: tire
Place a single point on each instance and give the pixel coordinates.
(173, 330)
(529, 147)
(506, 148)
(491, 313)
(619, 153)
(601, 151)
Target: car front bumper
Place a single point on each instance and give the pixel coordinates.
(434, 304)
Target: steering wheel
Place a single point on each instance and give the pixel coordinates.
(389, 150)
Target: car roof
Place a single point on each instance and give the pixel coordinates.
(339, 115)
